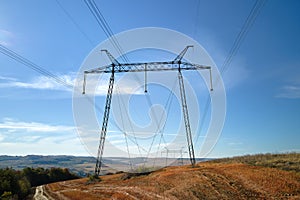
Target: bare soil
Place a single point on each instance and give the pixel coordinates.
(204, 181)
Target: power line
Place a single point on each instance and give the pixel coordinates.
(130, 123)
(93, 8)
(108, 32)
(251, 18)
(126, 141)
(197, 16)
(74, 22)
(17, 57)
(256, 9)
(90, 41)
(168, 107)
(33, 66)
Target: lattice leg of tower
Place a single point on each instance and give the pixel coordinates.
(104, 125)
(186, 119)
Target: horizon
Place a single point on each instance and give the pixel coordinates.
(89, 156)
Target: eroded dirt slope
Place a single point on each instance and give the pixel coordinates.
(205, 181)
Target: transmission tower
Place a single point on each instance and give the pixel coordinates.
(167, 151)
(115, 67)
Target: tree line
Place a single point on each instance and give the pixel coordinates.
(15, 184)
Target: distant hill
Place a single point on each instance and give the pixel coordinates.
(83, 165)
(77, 164)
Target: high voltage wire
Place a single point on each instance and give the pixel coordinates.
(74, 22)
(197, 16)
(130, 122)
(93, 8)
(33, 66)
(251, 18)
(122, 121)
(259, 4)
(90, 41)
(17, 57)
(168, 107)
(109, 34)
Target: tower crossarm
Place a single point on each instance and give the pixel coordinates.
(149, 66)
(145, 67)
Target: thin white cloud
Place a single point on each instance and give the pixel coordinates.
(44, 146)
(98, 85)
(5, 37)
(95, 86)
(289, 92)
(5, 78)
(41, 83)
(38, 138)
(235, 143)
(11, 125)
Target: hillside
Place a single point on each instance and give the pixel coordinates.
(80, 165)
(208, 180)
(287, 161)
(76, 164)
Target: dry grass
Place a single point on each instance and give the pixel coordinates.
(264, 181)
(78, 195)
(287, 161)
(209, 180)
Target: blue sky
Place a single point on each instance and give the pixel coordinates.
(262, 81)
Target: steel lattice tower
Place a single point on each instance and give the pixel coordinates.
(115, 67)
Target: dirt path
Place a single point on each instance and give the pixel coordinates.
(39, 193)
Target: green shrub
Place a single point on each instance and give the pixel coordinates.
(6, 195)
(93, 179)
